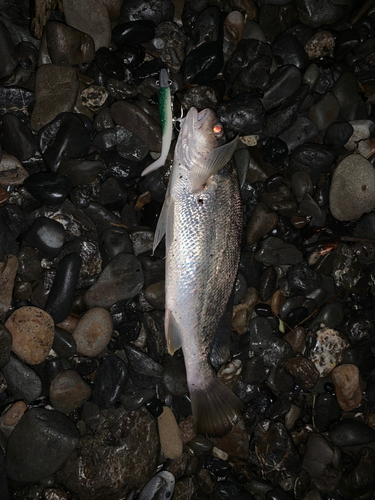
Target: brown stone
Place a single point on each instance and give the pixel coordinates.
(370, 420)
(42, 11)
(68, 46)
(70, 322)
(187, 429)
(113, 7)
(121, 455)
(93, 331)
(320, 44)
(352, 195)
(32, 330)
(178, 466)
(277, 301)
(14, 413)
(68, 391)
(56, 89)
(169, 433)
(261, 221)
(138, 122)
(184, 489)
(90, 17)
(236, 442)
(155, 295)
(12, 172)
(8, 271)
(4, 196)
(296, 338)
(244, 6)
(242, 312)
(348, 385)
(304, 370)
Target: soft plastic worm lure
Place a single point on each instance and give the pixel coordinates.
(165, 110)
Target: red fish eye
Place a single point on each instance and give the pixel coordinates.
(218, 129)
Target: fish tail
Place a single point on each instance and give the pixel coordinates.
(215, 408)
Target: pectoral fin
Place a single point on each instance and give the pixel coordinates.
(215, 161)
(172, 332)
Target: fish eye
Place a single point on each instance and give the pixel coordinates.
(218, 130)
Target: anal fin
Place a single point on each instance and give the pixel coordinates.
(172, 332)
(165, 223)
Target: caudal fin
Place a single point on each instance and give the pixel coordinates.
(215, 408)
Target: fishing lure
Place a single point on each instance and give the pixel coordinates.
(165, 110)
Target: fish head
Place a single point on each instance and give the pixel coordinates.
(200, 134)
(202, 148)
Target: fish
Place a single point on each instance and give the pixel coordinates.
(201, 219)
(166, 118)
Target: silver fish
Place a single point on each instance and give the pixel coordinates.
(202, 220)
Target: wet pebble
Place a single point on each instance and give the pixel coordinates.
(11, 417)
(271, 442)
(140, 441)
(304, 370)
(169, 433)
(22, 380)
(260, 334)
(61, 295)
(56, 89)
(161, 485)
(132, 399)
(244, 114)
(325, 348)
(351, 432)
(348, 385)
(47, 235)
(144, 371)
(67, 45)
(35, 435)
(275, 252)
(49, 188)
(352, 195)
(121, 279)
(261, 221)
(8, 272)
(110, 381)
(303, 279)
(68, 391)
(32, 332)
(92, 19)
(93, 331)
(322, 461)
(12, 173)
(138, 122)
(338, 134)
(6, 342)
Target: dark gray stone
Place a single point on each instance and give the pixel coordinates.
(40, 444)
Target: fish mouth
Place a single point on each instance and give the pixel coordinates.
(202, 114)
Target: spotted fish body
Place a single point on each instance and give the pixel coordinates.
(202, 220)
